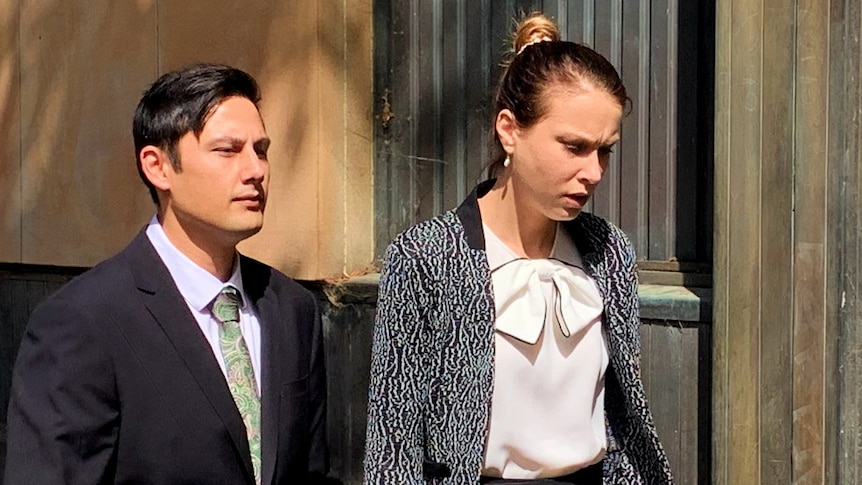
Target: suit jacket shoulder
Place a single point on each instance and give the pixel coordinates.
(258, 277)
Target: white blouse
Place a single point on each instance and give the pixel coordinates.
(547, 408)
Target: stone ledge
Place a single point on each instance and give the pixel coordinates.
(675, 303)
(657, 302)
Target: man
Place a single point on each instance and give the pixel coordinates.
(178, 360)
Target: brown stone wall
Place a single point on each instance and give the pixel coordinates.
(71, 73)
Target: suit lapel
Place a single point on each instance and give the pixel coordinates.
(256, 283)
(168, 308)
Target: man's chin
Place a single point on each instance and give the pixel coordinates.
(244, 232)
(251, 231)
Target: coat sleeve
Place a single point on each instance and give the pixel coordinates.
(63, 412)
(645, 450)
(394, 440)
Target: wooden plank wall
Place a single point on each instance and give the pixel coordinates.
(844, 216)
(437, 65)
(676, 365)
(72, 72)
(786, 365)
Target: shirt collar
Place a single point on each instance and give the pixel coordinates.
(563, 250)
(197, 285)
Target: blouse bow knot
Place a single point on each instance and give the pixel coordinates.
(522, 307)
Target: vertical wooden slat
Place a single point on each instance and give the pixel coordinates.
(737, 288)
(339, 416)
(395, 192)
(688, 95)
(438, 68)
(666, 392)
(603, 34)
(809, 241)
(705, 399)
(603, 201)
(706, 119)
(721, 247)
(647, 356)
(360, 357)
(631, 148)
(480, 77)
(660, 100)
(668, 218)
(777, 254)
(642, 110)
(453, 107)
(384, 216)
(689, 403)
(575, 21)
(846, 229)
(425, 70)
(586, 28)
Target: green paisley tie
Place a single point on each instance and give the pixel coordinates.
(240, 373)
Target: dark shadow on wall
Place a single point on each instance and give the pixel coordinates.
(81, 72)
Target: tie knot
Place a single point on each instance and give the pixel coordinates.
(226, 306)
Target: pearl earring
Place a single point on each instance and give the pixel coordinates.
(507, 161)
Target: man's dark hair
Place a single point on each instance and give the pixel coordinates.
(180, 102)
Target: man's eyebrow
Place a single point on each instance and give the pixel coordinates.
(232, 140)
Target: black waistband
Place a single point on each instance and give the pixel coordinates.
(591, 475)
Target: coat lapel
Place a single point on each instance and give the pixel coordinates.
(590, 239)
(255, 280)
(167, 306)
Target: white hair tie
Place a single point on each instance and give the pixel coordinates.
(543, 38)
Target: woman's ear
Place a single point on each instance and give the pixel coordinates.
(506, 127)
(156, 166)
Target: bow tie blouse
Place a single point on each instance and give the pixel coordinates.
(547, 409)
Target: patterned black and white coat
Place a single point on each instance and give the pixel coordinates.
(432, 369)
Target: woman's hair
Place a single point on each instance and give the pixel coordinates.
(541, 61)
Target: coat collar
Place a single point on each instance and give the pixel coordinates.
(470, 217)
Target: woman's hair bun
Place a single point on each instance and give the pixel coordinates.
(534, 28)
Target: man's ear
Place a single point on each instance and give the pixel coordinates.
(156, 166)
(506, 126)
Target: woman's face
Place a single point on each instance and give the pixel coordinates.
(557, 163)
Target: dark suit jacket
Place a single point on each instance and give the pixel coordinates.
(115, 383)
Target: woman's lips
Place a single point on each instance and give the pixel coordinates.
(578, 201)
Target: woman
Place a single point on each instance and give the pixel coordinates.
(506, 342)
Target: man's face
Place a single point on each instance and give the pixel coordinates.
(219, 195)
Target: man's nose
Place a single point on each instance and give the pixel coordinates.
(254, 166)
